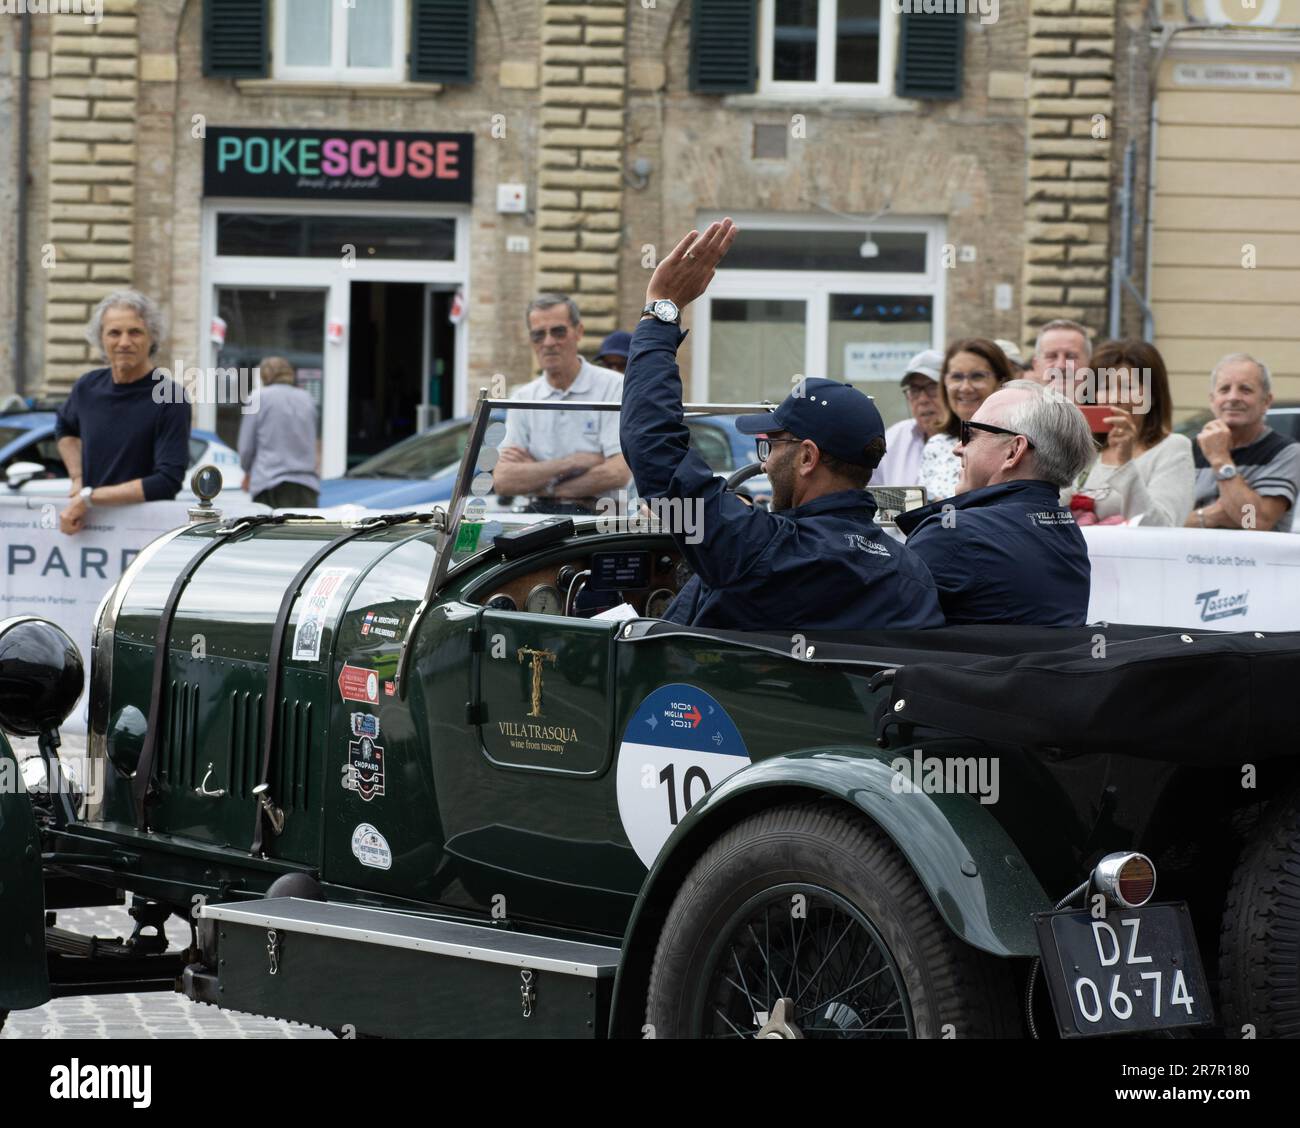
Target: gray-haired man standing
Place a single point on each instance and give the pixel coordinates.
(123, 436)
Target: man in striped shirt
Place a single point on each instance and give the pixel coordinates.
(1247, 475)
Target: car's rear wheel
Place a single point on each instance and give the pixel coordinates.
(1259, 942)
(807, 921)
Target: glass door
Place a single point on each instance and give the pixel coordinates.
(262, 321)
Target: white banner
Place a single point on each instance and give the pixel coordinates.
(62, 578)
(1211, 579)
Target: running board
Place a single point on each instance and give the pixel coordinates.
(375, 971)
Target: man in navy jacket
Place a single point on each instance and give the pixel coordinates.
(1004, 549)
(818, 560)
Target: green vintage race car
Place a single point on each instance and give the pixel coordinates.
(401, 780)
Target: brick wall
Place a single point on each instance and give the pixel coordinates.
(90, 158)
(1071, 128)
(580, 178)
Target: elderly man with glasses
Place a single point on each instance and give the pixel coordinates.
(1004, 550)
(564, 460)
(905, 440)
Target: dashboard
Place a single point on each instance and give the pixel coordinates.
(584, 585)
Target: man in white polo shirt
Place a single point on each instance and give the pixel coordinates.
(564, 460)
(905, 440)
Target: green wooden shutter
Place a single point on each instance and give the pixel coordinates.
(929, 54)
(442, 41)
(723, 37)
(236, 38)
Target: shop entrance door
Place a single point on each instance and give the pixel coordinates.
(386, 365)
(262, 321)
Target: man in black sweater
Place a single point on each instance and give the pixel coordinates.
(123, 436)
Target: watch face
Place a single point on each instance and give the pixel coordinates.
(665, 310)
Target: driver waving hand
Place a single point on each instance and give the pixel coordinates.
(818, 560)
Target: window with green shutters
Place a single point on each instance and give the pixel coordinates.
(442, 41)
(930, 48)
(723, 35)
(236, 38)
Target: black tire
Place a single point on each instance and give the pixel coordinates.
(843, 864)
(1259, 941)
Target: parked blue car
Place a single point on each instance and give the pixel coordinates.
(421, 470)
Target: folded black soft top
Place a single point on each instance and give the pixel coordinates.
(1206, 697)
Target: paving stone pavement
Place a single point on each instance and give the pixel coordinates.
(155, 1014)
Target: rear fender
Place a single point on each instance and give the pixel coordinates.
(974, 873)
(24, 980)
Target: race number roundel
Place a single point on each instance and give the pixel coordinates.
(678, 744)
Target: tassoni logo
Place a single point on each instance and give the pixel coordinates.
(1216, 606)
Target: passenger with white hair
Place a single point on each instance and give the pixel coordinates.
(1247, 475)
(124, 431)
(1004, 549)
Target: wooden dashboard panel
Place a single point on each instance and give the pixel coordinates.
(518, 587)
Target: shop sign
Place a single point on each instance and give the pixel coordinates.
(338, 164)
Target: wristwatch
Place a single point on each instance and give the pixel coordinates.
(1226, 471)
(86, 491)
(664, 310)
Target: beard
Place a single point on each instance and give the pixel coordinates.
(781, 475)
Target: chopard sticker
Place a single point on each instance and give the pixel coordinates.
(316, 603)
(371, 848)
(356, 684)
(365, 769)
(365, 724)
(385, 626)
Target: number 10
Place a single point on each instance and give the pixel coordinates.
(668, 776)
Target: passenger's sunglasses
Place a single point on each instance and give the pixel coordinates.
(559, 332)
(764, 446)
(969, 426)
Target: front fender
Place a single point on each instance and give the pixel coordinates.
(24, 979)
(974, 873)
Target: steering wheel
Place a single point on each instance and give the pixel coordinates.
(753, 470)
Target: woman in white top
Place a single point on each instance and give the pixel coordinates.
(973, 369)
(1144, 469)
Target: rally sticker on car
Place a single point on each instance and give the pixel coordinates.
(358, 684)
(371, 848)
(327, 585)
(678, 745)
(364, 772)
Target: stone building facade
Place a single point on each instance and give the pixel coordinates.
(988, 212)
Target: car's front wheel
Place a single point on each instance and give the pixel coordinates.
(806, 921)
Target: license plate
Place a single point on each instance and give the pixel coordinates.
(1138, 969)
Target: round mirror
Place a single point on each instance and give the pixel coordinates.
(206, 482)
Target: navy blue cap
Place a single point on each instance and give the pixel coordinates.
(616, 344)
(837, 417)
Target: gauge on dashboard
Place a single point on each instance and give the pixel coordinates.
(657, 603)
(544, 599)
(501, 602)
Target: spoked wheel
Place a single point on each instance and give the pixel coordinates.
(807, 922)
(799, 961)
